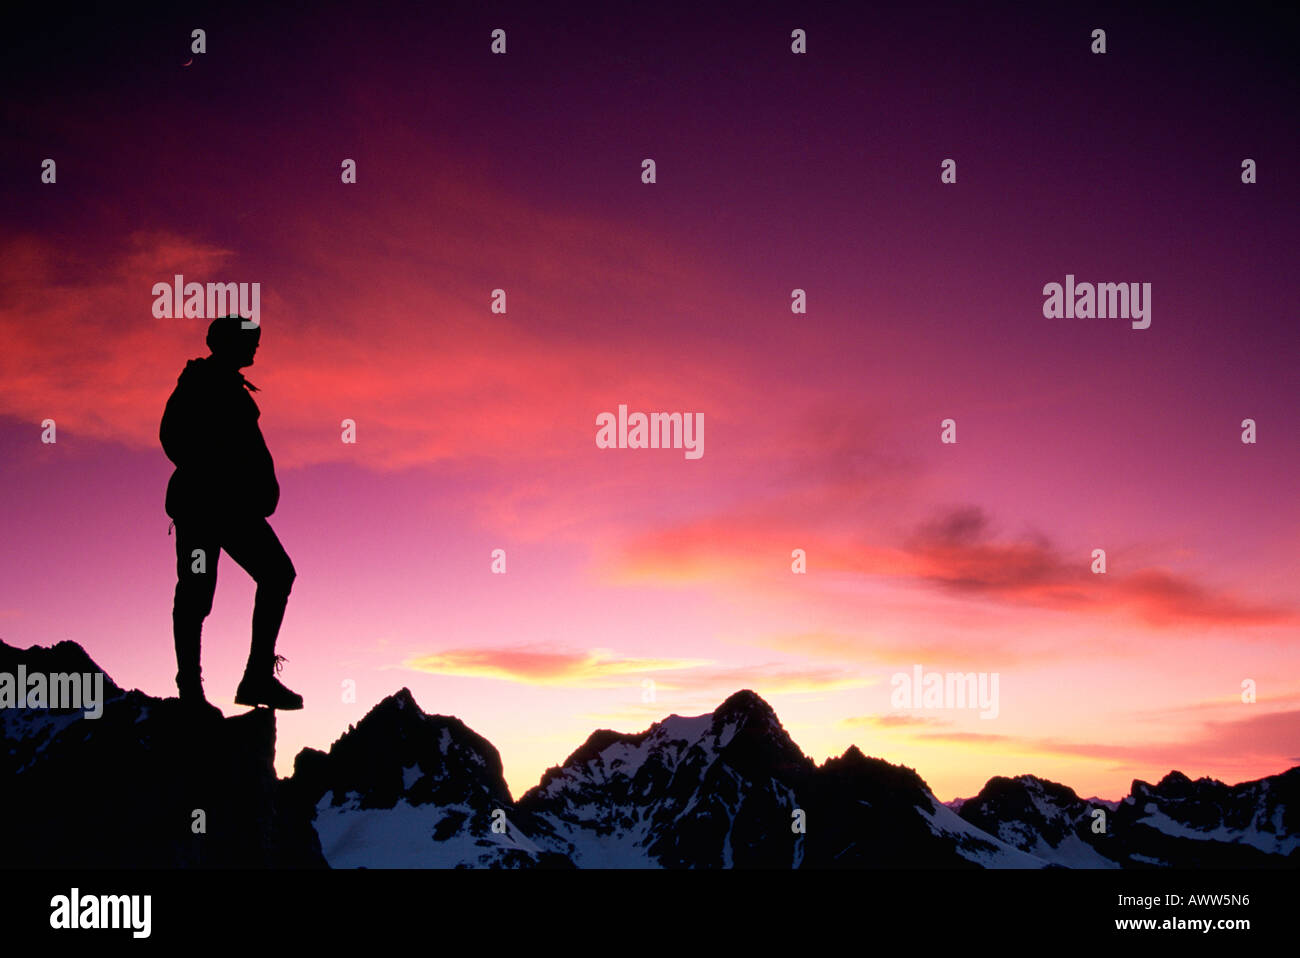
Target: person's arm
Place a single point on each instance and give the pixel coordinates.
(175, 431)
(188, 432)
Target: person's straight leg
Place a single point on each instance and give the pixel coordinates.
(197, 550)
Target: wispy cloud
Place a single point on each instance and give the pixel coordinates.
(893, 721)
(597, 668)
(958, 552)
(1268, 738)
(955, 552)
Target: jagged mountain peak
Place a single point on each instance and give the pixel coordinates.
(854, 764)
(742, 716)
(853, 755)
(602, 739)
(999, 786)
(746, 703)
(1174, 784)
(1003, 797)
(399, 714)
(426, 788)
(399, 753)
(64, 656)
(149, 762)
(716, 790)
(710, 790)
(1041, 818)
(400, 701)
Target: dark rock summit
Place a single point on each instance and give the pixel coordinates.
(145, 785)
(402, 788)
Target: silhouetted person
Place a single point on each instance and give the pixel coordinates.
(223, 489)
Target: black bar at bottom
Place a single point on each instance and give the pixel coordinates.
(596, 910)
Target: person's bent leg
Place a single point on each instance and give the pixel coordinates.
(256, 548)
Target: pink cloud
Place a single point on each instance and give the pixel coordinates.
(592, 669)
(956, 553)
(1254, 739)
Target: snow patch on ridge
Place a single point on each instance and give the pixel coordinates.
(402, 836)
(1266, 842)
(974, 843)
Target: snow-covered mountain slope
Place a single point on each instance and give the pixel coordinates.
(1206, 823)
(712, 791)
(1043, 819)
(975, 844)
(1176, 823)
(30, 730)
(403, 789)
(730, 789)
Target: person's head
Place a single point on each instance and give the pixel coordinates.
(231, 344)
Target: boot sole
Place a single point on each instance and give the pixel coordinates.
(277, 708)
(205, 709)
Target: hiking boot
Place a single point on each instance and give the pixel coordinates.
(267, 690)
(194, 701)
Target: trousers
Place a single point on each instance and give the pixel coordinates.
(254, 546)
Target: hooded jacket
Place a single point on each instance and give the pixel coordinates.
(209, 431)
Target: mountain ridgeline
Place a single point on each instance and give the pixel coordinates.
(147, 785)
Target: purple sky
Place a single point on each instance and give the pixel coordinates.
(774, 172)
